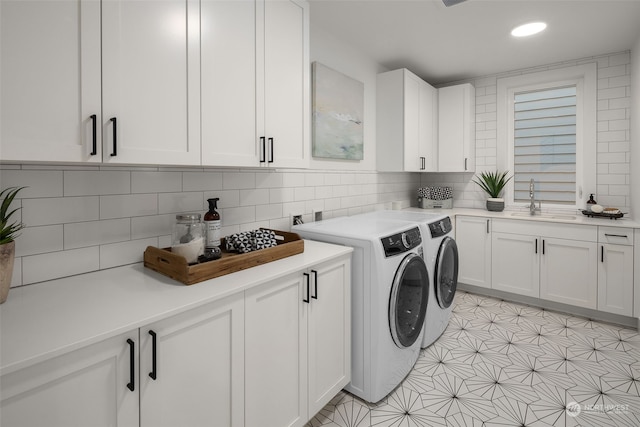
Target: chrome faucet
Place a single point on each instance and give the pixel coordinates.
(532, 205)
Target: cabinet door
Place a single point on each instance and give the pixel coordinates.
(412, 150)
(50, 80)
(228, 61)
(615, 279)
(474, 250)
(515, 263)
(151, 81)
(329, 333)
(87, 387)
(568, 273)
(198, 370)
(284, 81)
(428, 128)
(456, 128)
(276, 353)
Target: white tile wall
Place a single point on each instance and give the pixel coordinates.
(86, 218)
(613, 133)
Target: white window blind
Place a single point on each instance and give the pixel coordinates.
(545, 145)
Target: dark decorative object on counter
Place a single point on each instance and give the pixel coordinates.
(591, 214)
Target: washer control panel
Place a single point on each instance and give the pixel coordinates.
(441, 227)
(401, 242)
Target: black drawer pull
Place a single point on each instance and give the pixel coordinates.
(132, 365)
(315, 284)
(602, 253)
(263, 149)
(271, 154)
(306, 276)
(624, 236)
(94, 133)
(153, 373)
(115, 136)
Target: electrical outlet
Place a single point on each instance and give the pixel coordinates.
(316, 216)
(296, 219)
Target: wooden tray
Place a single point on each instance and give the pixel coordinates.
(176, 266)
(602, 215)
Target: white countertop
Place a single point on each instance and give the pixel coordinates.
(52, 318)
(578, 218)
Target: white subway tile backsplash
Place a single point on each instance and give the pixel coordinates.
(93, 233)
(269, 212)
(96, 183)
(53, 265)
(292, 179)
(228, 198)
(269, 179)
(254, 197)
(124, 253)
(201, 181)
(38, 240)
(39, 183)
(156, 182)
(304, 193)
(238, 180)
(281, 195)
(181, 202)
(59, 210)
(125, 206)
(150, 226)
(241, 215)
(16, 277)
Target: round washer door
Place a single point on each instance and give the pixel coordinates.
(408, 300)
(446, 272)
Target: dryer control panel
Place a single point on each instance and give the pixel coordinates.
(441, 227)
(401, 242)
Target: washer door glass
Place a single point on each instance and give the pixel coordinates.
(446, 272)
(408, 301)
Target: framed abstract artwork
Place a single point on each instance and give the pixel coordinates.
(338, 109)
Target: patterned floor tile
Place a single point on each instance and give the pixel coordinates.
(505, 364)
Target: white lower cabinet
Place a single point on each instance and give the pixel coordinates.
(615, 270)
(568, 273)
(473, 237)
(551, 261)
(192, 367)
(297, 345)
(95, 386)
(515, 264)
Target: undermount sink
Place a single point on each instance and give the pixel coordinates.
(544, 216)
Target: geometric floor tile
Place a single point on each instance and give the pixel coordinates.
(506, 364)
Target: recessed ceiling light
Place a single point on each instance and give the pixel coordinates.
(528, 29)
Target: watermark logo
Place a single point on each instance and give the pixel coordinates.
(573, 409)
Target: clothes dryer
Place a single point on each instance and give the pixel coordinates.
(390, 292)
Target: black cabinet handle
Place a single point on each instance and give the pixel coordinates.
(306, 275)
(488, 227)
(542, 246)
(465, 163)
(536, 245)
(153, 373)
(132, 367)
(422, 163)
(315, 284)
(115, 136)
(616, 235)
(263, 151)
(94, 121)
(271, 154)
(602, 253)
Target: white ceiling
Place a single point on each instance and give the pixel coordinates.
(444, 44)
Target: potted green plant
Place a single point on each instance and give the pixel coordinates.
(493, 183)
(8, 233)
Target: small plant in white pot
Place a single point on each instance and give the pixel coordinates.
(493, 183)
(8, 233)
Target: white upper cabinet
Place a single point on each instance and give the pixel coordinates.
(255, 83)
(406, 123)
(50, 81)
(456, 128)
(151, 81)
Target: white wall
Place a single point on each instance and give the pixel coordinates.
(613, 186)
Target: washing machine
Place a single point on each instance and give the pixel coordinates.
(441, 256)
(390, 292)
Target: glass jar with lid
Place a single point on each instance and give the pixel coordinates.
(188, 236)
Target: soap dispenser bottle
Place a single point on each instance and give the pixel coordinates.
(590, 202)
(212, 224)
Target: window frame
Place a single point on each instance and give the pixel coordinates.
(584, 77)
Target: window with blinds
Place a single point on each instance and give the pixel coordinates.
(545, 145)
